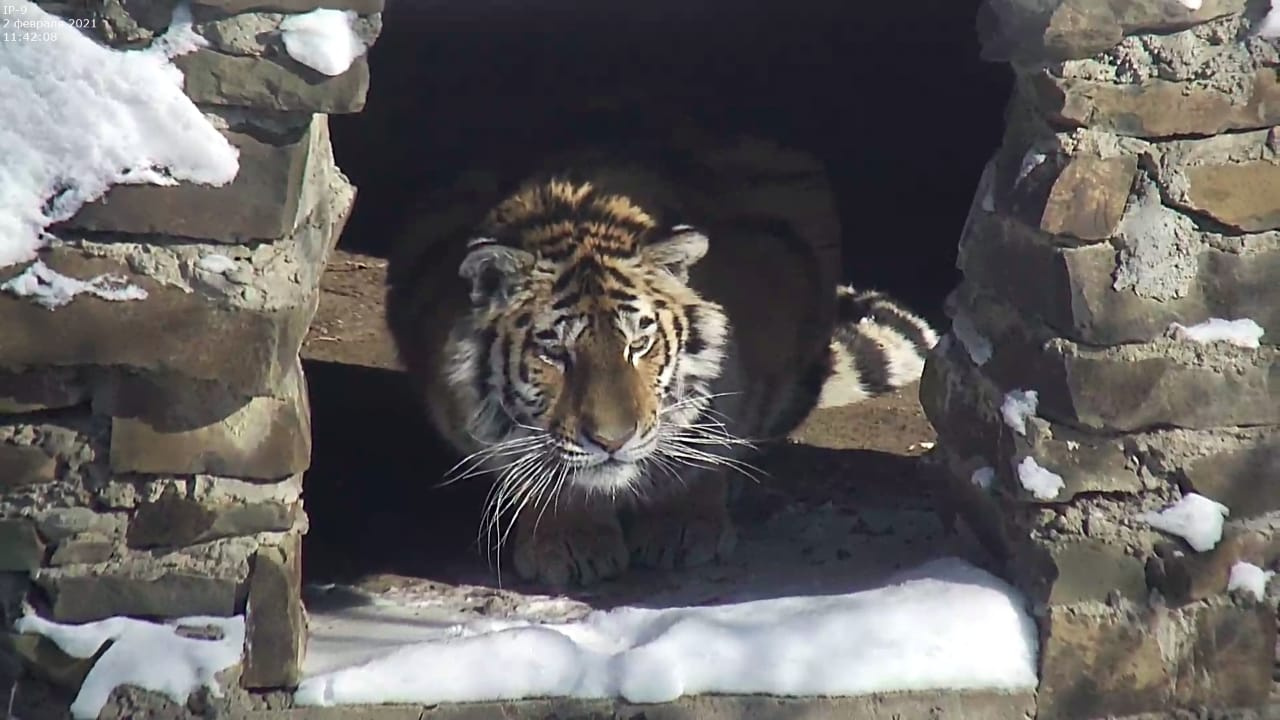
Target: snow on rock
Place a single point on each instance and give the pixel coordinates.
(78, 117)
(946, 624)
(978, 347)
(1243, 333)
(51, 289)
(1044, 484)
(1249, 578)
(1195, 518)
(147, 655)
(1031, 159)
(324, 40)
(983, 477)
(1269, 26)
(1017, 406)
(216, 264)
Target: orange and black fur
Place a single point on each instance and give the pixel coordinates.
(594, 353)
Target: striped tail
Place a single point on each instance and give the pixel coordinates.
(877, 346)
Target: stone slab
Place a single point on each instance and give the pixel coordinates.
(1244, 196)
(262, 202)
(175, 521)
(1072, 287)
(267, 438)
(1035, 31)
(25, 465)
(233, 7)
(276, 628)
(21, 549)
(1133, 387)
(1106, 662)
(1142, 109)
(1088, 198)
(242, 328)
(209, 579)
(942, 705)
(214, 78)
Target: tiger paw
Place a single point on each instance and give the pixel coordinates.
(673, 537)
(570, 549)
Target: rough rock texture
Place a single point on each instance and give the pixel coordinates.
(152, 450)
(1104, 219)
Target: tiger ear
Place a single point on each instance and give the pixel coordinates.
(684, 247)
(495, 271)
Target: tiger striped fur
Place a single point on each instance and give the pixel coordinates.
(607, 366)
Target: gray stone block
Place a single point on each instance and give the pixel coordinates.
(262, 202)
(20, 547)
(207, 579)
(215, 78)
(266, 438)
(276, 625)
(1035, 31)
(231, 7)
(1142, 109)
(1072, 287)
(175, 521)
(241, 328)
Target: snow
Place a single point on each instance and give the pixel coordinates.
(1030, 160)
(1195, 518)
(978, 347)
(1243, 333)
(78, 117)
(1191, 4)
(1018, 405)
(51, 289)
(1249, 578)
(983, 477)
(944, 625)
(1269, 26)
(147, 655)
(216, 264)
(1044, 484)
(324, 40)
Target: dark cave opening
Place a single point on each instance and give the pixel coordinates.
(892, 98)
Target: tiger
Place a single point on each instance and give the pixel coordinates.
(612, 349)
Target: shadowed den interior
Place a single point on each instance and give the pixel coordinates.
(892, 98)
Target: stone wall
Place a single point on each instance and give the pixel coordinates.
(151, 452)
(1137, 186)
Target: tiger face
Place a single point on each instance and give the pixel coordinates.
(586, 357)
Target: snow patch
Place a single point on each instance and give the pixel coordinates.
(983, 477)
(1030, 160)
(1191, 4)
(977, 635)
(147, 655)
(978, 347)
(1269, 26)
(216, 264)
(78, 117)
(1018, 405)
(51, 289)
(1249, 578)
(1042, 483)
(324, 40)
(1243, 333)
(1195, 518)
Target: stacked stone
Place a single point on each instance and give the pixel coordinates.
(152, 451)
(1137, 186)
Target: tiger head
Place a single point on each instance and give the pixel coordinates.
(586, 354)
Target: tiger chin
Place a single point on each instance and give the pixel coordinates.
(608, 367)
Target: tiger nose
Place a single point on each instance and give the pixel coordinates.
(608, 438)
